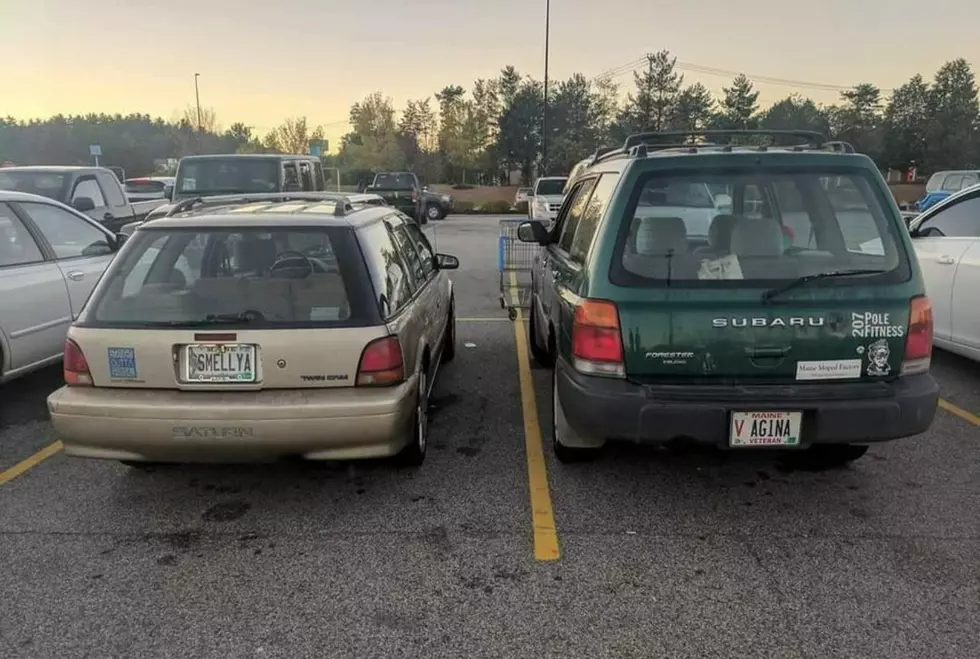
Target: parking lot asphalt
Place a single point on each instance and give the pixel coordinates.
(662, 554)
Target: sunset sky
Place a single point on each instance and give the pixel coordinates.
(263, 61)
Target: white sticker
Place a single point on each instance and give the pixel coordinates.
(874, 325)
(726, 267)
(831, 369)
(878, 354)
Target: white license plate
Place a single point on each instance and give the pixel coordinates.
(219, 362)
(765, 428)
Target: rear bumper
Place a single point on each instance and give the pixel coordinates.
(179, 426)
(600, 409)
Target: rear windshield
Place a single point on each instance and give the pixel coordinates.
(40, 183)
(144, 187)
(215, 176)
(552, 186)
(254, 277)
(721, 229)
(394, 181)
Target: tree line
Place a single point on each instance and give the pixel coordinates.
(496, 128)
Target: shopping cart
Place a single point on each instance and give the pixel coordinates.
(514, 261)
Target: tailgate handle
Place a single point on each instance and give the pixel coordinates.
(767, 352)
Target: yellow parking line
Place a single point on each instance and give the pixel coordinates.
(29, 463)
(958, 411)
(542, 513)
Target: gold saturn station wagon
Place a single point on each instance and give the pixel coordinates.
(260, 327)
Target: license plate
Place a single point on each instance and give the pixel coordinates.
(765, 428)
(220, 362)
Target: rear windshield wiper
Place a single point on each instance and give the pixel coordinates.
(796, 283)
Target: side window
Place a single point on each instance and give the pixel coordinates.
(953, 182)
(318, 182)
(69, 236)
(409, 253)
(423, 247)
(797, 225)
(110, 188)
(594, 211)
(290, 177)
(87, 187)
(573, 213)
(970, 179)
(306, 175)
(961, 220)
(17, 247)
(387, 271)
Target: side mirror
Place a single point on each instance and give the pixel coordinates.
(168, 192)
(928, 232)
(83, 204)
(446, 262)
(532, 232)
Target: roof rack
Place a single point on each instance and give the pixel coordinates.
(219, 200)
(690, 136)
(600, 152)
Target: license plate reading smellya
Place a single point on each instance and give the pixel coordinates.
(221, 362)
(765, 428)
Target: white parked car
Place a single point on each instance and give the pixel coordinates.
(51, 257)
(546, 198)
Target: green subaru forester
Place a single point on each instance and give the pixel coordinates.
(742, 296)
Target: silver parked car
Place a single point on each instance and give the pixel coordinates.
(51, 257)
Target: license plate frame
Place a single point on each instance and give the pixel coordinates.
(246, 349)
(744, 424)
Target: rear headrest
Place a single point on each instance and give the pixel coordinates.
(720, 232)
(757, 237)
(660, 235)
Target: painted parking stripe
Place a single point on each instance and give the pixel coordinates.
(26, 465)
(542, 513)
(969, 417)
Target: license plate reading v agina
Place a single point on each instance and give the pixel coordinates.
(222, 362)
(766, 428)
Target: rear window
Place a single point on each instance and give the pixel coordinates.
(394, 181)
(215, 176)
(144, 187)
(250, 277)
(550, 186)
(39, 183)
(721, 229)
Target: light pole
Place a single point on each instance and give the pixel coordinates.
(197, 96)
(544, 127)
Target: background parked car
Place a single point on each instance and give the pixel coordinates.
(547, 198)
(148, 187)
(51, 257)
(943, 184)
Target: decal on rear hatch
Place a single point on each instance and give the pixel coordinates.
(878, 354)
(874, 325)
(122, 363)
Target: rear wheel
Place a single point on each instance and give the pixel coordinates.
(541, 355)
(449, 340)
(414, 454)
(561, 429)
(433, 212)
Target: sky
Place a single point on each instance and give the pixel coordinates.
(260, 62)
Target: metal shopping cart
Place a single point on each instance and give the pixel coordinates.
(514, 261)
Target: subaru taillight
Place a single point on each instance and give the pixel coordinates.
(918, 339)
(597, 344)
(381, 363)
(75, 366)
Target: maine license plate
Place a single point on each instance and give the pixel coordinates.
(220, 362)
(765, 428)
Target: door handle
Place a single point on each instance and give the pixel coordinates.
(945, 259)
(76, 275)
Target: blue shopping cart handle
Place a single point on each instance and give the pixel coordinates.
(500, 253)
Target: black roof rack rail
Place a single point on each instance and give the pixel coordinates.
(811, 136)
(217, 200)
(603, 151)
(839, 145)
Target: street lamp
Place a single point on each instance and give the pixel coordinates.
(197, 96)
(544, 127)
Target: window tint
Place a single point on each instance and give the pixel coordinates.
(88, 188)
(817, 223)
(306, 175)
(111, 188)
(573, 213)
(35, 182)
(935, 182)
(227, 175)
(970, 179)
(553, 186)
(17, 247)
(423, 247)
(287, 278)
(961, 220)
(594, 211)
(70, 236)
(953, 182)
(387, 271)
(407, 249)
(290, 177)
(395, 180)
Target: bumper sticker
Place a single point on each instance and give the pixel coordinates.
(878, 354)
(122, 363)
(831, 369)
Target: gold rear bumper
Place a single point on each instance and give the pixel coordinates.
(199, 426)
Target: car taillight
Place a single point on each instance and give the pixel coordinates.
(918, 340)
(75, 366)
(597, 344)
(381, 363)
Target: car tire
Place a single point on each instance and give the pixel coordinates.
(433, 212)
(449, 338)
(564, 453)
(541, 355)
(829, 456)
(413, 454)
